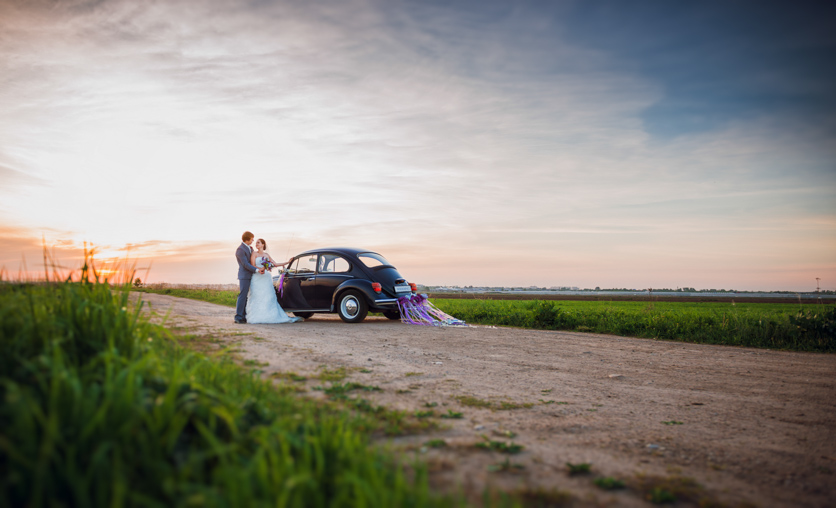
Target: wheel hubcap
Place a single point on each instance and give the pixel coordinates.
(350, 306)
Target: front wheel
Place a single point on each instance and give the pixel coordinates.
(392, 314)
(352, 307)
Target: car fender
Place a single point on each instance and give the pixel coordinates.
(364, 286)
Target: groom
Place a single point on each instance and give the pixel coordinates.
(245, 275)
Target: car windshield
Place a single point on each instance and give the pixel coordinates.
(372, 259)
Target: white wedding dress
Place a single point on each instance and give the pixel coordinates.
(262, 305)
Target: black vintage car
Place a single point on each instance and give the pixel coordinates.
(350, 282)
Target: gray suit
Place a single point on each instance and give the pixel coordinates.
(245, 275)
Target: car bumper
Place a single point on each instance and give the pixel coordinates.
(386, 303)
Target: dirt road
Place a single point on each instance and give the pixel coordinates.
(748, 425)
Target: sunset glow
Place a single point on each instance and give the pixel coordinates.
(477, 143)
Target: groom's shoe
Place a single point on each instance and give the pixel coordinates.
(240, 321)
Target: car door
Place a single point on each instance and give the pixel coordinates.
(299, 291)
(332, 270)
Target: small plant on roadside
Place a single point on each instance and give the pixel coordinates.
(430, 404)
(671, 489)
(673, 422)
(467, 400)
(578, 469)
(436, 443)
(340, 391)
(505, 466)
(505, 406)
(660, 496)
(505, 433)
(608, 483)
(410, 374)
(365, 406)
(289, 375)
(337, 374)
(499, 446)
(452, 415)
(546, 402)
(424, 414)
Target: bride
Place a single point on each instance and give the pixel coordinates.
(262, 305)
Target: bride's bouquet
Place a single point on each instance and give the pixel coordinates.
(267, 265)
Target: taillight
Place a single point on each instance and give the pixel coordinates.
(413, 286)
(376, 287)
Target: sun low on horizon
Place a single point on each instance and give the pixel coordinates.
(471, 143)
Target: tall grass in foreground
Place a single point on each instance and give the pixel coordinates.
(102, 408)
(792, 327)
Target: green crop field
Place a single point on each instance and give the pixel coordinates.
(809, 327)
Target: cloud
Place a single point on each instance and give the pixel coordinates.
(425, 130)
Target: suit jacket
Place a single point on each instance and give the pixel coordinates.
(245, 268)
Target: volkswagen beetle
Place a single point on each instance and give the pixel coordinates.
(348, 281)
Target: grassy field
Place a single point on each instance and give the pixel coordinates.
(219, 296)
(808, 327)
(766, 325)
(102, 408)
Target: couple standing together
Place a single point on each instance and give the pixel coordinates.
(257, 301)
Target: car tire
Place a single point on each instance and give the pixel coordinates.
(352, 307)
(303, 315)
(392, 314)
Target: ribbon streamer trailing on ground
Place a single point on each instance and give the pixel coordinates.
(417, 310)
(280, 284)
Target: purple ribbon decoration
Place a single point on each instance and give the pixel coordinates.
(281, 284)
(417, 310)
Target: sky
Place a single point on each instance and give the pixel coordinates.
(501, 143)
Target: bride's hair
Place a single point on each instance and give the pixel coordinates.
(263, 243)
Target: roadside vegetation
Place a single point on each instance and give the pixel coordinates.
(810, 327)
(100, 407)
(796, 327)
(219, 296)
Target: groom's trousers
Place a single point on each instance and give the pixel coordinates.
(241, 305)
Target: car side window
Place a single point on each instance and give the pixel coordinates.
(293, 266)
(306, 264)
(331, 263)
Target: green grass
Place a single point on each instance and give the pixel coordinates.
(102, 408)
(219, 296)
(578, 469)
(608, 483)
(811, 327)
(499, 446)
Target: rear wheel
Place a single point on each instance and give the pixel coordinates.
(303, 315)
(392, 314)
(352, 307)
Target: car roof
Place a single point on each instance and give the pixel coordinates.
(339, 250)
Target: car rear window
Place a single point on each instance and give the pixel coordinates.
(372, 259)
